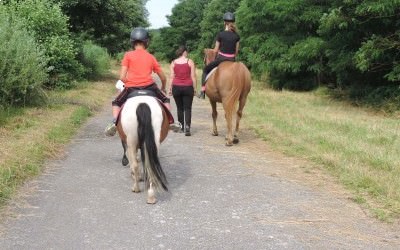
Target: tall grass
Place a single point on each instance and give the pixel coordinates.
(29, 136)
(361, 148)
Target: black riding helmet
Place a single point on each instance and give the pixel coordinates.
(229, 17)
(140, 34)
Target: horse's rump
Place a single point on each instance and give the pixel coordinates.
(229, 81)
(166, 117)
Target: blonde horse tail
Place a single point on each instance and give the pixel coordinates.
(148, 149)
(236, 86)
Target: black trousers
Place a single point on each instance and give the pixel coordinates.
(183, 96)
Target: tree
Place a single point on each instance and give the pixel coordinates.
(279, 39)
(106, 22)
(184, 27)
(363, 40)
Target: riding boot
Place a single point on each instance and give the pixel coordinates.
(202, 94)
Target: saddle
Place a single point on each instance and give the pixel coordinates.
(148, 92)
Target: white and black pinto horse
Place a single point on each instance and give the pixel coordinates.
(143, 124)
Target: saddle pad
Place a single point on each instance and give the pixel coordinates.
(169, 114)
(211, 72)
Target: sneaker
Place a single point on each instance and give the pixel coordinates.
(111, 130)
(176, 127)
(187, 131)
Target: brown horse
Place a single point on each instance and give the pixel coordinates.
(229, 84)
(144, 124)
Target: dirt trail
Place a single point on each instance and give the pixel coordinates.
(240, 197)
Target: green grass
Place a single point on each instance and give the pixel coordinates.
(7, 114)
(29, 136)
(361, 148)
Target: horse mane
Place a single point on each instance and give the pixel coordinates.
(209, 56)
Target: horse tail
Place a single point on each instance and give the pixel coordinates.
(148, 148)
(237, 87)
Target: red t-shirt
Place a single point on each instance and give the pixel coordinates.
(141, 64)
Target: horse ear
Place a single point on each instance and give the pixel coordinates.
(205, 51)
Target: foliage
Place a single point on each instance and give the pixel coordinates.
(184, 27)
(95, 59)
(279, 38)
(363, 41)
(22, 64)
(156, 45)
(50, 29)
(107, 22)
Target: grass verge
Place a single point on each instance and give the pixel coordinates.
(359, 147)
(29, 136)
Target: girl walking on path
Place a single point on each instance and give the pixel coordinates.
(183, 86)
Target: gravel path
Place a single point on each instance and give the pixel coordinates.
(240, 197)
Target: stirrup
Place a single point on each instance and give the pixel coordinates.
(111, 130)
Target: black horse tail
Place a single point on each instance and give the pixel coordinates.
(148, 149)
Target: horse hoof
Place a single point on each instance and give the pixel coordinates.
(151, 200)
(215, 133)
(136, 190)
(228, 144)
(235, 140)
(125, 161)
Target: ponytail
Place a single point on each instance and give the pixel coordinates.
(231, 26)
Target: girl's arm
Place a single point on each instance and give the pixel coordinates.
(122, 73)
(163, 80)
(193, 74)
(171, 76)
(237, 49)
(216, 47)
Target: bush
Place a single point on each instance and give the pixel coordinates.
(50, 27)
(95, 59)
(22, 64)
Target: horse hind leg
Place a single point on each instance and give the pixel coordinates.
(151, 192)
(239, 114)
(228, 117)
(214, 117)
(134, 168)
(125, 160)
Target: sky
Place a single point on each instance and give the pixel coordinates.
(158, 9)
